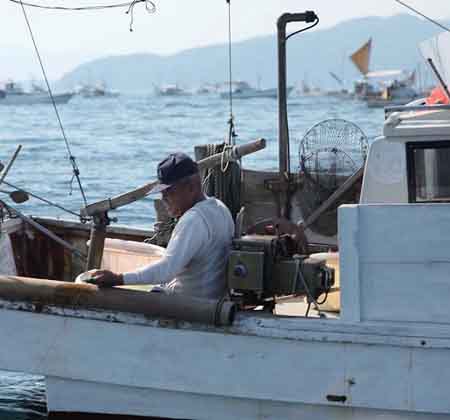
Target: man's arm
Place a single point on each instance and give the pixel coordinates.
(188, 238)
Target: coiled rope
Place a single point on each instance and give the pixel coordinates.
(224, 183)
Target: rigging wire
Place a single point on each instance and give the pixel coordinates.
(231, 133)
(150, 7)
(445, 28)
(76, 171)
(45, 200)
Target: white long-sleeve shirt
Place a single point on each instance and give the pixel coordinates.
(196, 256)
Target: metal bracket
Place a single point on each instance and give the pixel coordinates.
(280, 186)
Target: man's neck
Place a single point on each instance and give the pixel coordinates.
(199, 198)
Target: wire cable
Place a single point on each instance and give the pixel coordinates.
(150, 6)
(445, 28)
(304, 29)
(231, 132)
(45, 200)
(76, 171)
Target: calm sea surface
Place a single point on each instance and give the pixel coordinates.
(117, 143)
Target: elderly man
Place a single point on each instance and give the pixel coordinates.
(196, 256)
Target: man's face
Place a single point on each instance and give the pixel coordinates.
(177, 199)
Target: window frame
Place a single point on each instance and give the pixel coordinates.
(411, 167)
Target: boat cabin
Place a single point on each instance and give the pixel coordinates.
(410, 162)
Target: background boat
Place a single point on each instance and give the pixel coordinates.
(381, 88)
(13, 94)
(170, 90)
(95, 91)
(242, 90)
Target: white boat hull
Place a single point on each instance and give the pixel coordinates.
(105, 400)
(35, 99)
(255, 93)
(271, 368)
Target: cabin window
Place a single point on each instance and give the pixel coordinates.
(428, 165)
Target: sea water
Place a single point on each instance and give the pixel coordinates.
(117, 144)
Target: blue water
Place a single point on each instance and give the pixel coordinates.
(117, 143)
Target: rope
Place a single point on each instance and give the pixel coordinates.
(150, 7)
(76, 171)
(225, 157)
(224, 182)
(231, 133)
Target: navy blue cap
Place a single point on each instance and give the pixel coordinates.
(174, 167)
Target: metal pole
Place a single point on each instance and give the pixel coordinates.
(283, 131)
(283, 128)
(439, 77)
(9, 164)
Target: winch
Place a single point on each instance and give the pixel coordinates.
(262, 268)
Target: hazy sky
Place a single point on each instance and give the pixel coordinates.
(66, 39)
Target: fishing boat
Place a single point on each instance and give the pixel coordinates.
(13, 94)
(99, 90)
(242, 90)
(170, 90)
(135, 354)
(381, 88)
(306, 89)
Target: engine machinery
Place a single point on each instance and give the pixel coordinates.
(262, 268)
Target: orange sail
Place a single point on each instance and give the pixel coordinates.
(361, 57)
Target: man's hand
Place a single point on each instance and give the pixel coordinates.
(104, 278)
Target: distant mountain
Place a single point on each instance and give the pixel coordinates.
(311, 56)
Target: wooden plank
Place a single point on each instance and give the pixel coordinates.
(83, 230)
(45, 231)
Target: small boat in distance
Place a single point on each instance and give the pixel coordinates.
(307, 90)
(95, 91)
(170, 90)
(242, 90)
(12, 93)
(207, 89)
